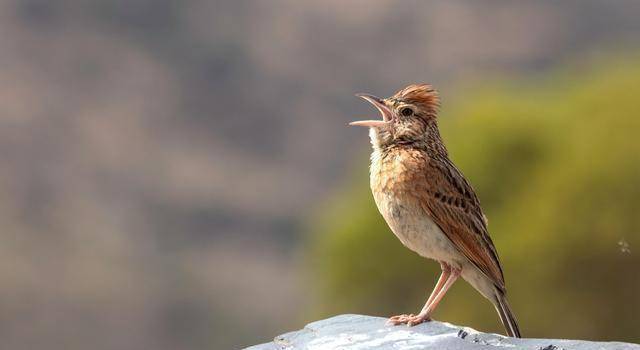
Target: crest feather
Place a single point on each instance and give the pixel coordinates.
(422, 95)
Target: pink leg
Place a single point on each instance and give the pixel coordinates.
(424, 313)
(444, 276)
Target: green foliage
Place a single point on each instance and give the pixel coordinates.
(556, 163)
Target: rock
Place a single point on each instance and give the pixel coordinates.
(367, 332)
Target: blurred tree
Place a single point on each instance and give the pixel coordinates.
(556, 163)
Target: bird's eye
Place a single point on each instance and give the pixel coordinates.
(406, 111)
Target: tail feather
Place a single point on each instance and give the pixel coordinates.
(506, 315)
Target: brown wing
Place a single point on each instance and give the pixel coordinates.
(453, 205)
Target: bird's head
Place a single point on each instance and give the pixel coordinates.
(407, 117)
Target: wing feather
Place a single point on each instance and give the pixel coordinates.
(448, 198)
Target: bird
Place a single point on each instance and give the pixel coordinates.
(428, 203)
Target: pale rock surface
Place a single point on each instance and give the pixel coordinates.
(359, 332)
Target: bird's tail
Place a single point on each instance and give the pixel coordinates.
(506, 315)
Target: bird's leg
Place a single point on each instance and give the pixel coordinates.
(446, 272)
(444, 276)
(426, 313)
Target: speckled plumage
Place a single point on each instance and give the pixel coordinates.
(427, 202)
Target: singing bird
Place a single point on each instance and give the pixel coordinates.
(427, 202)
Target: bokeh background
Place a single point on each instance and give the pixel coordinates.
(178, 175)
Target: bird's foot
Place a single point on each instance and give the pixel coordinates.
(409, 320)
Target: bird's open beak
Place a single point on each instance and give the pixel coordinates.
(387, 115)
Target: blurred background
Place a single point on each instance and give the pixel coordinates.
(179, 175)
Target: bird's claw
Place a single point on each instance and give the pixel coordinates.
(410, 319)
